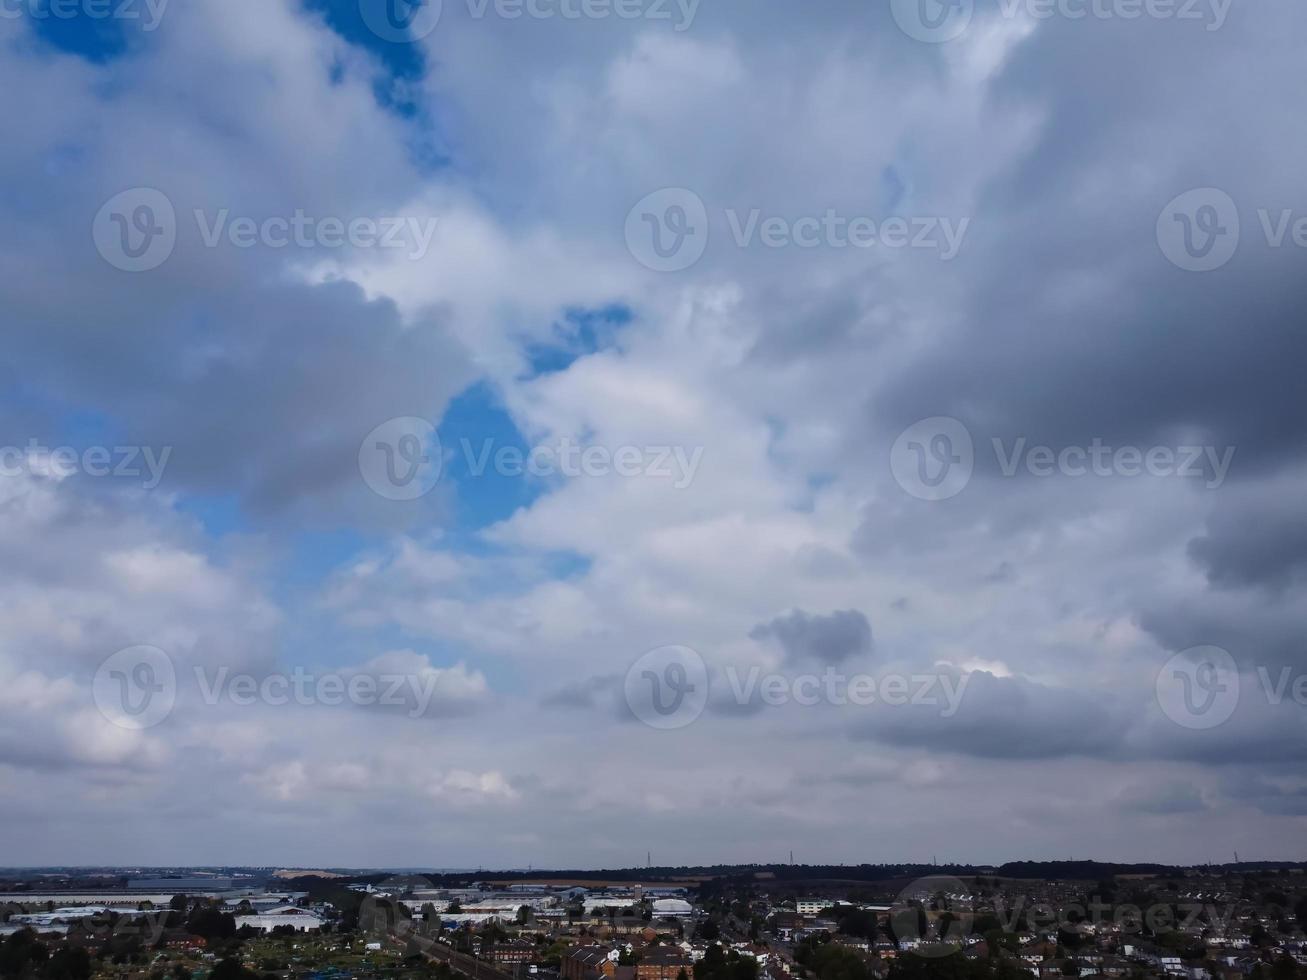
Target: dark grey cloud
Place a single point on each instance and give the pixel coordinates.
(1256, 535)
(274, 407)
(1027, 360)
(1165, 799)
(1017, 718)
(1256, 790)
(1003, 718)
(1259, 629)
(827, 639)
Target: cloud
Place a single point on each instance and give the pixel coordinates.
(1166, 799)
(826, 639)
(1004, 718)
(1274, 797)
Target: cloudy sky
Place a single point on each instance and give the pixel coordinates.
(872, 429)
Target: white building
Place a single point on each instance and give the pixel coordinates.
(286, 915)
(672, 907)
(812, 906)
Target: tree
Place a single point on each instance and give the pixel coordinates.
(69, 963)
(858, 922)
(20, 952)
(230, 969)
(831, 962)
(211, 923)
(1284, 968)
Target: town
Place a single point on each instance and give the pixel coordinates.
(775, 922)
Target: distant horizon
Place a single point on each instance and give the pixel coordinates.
(361, 870)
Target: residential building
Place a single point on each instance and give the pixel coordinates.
(662, 963)
(589, 962)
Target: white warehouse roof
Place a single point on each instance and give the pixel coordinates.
(672, 906)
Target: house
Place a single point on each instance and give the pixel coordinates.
(662, 963)
(589, 962)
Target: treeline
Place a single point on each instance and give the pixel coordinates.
(24, 957)
(1074, 870)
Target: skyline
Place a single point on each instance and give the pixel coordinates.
(549, 433)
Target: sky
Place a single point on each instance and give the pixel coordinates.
(496, 433)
